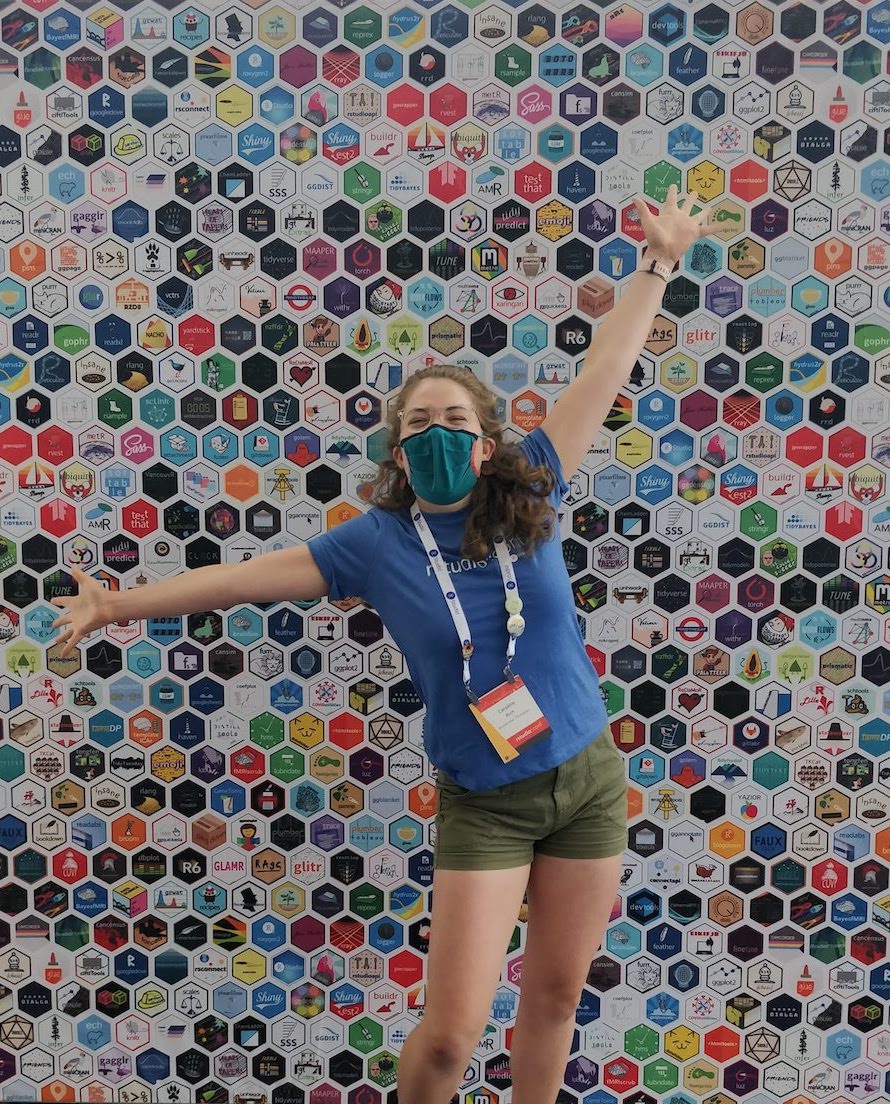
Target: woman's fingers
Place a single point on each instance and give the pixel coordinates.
(65, 600)
(646, 219)
(706, 222)
(70, 634)
(688, 200)
(703, 219)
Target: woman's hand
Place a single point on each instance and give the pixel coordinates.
(670, 234)
(87, 610)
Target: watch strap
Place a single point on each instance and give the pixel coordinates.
(660, 268)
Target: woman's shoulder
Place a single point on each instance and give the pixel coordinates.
(384, 517)
(378, 521)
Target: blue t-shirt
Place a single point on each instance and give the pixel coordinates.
(379, 557)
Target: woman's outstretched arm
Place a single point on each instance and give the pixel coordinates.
(290, 574)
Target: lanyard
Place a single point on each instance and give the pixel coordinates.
(512, 601)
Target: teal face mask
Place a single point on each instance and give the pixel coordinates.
(439, 462)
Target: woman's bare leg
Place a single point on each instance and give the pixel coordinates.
(569, 903)
(474, 913)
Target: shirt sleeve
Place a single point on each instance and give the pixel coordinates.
(539, 450)
(345, 555)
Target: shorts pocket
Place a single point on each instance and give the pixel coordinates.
(608, 775)
(449, 789)
(446, 782)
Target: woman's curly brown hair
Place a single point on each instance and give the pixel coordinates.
(511, 495)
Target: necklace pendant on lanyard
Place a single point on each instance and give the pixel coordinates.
(512, 601)
(466, 650)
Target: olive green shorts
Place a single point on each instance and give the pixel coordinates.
(577, 810)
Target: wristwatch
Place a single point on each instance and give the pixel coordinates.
(660, 268)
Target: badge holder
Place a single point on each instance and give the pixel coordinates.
(510, 718)
(508, 715)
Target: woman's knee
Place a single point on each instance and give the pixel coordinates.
(448, 1046)
(556, 1003)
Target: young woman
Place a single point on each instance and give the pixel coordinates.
(461, 558)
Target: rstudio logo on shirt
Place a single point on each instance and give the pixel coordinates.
(466, 564)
